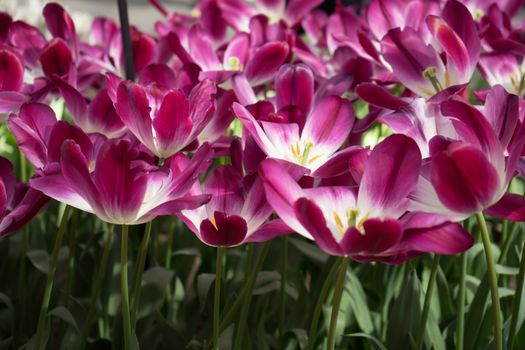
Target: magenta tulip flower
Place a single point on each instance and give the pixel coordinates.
(370, 224)
(504, 69)
(165, 121)
(18, 202)
(40, 136)
(257, 61)
(472, 173)
(237, 212)
(420, 67)
(119, 186)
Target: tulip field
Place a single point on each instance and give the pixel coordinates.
(264, 174)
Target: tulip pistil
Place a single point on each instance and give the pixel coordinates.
(431, 74)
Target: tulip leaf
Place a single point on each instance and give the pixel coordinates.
(404, 318)
(359, 303)
(154, 282)
(374, 340)
(204, 283)
(309, 249)
(65, 315)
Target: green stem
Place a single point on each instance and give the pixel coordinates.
(101, 274)
(232, 310)
(126, 321)
(516, 303)
(217, 297)
(247, 296)
(167, 265)
(461, 303)
(338, 293)
(40, 341)
(319, 306)
(493, 280)
(71, 258)
(282, 291)
(139, 270)
(428, 300)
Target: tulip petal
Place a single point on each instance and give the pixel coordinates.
(447, 238)
(294, 86)
(224, 231)
(121, 184)
(11, 71)
(510, 207)
(409, 57)
(312, 219)
(265, 61)
(56, 58)
(133, 108)
(75, 102)
(31, 203)
(390, 175)
(379, 97)
(463, 178)
(329, 124)
(75, 170)
(379, 236)
(32, 128)
(172, 124)
(269, 231)
(282, 191)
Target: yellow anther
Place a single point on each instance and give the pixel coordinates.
(448, 80)
(196, 12)
(339, 224)
(213, 222)
(431, 74)
(234, 63)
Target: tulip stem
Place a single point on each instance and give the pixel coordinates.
(126, 321)
(320, 300)
(428, 300)
(461, 303)
(336, 301)
(126, 39)
(516, 303)
(139, 270)
(71, 258)
(247, 296)
(493, 280)
(40, 340)
(282, 292)
(101, 274)
(217, 296)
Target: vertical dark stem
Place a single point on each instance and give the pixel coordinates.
(126, 38)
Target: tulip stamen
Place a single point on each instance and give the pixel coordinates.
(431, 74)
(307, 148)
(212, 220)
(234, 63)
(339, 224)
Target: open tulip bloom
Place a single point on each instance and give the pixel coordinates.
(375, 133)
(369, 224)
(120, 187)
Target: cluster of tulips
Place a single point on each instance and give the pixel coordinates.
(361, 130)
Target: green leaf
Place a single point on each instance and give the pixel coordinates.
(65, 315)
(204, 283)
(301, 335)
(374, 340)
(154, 282)
(40, 260)
(358, 303)
(309, 249)
(405, 315)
